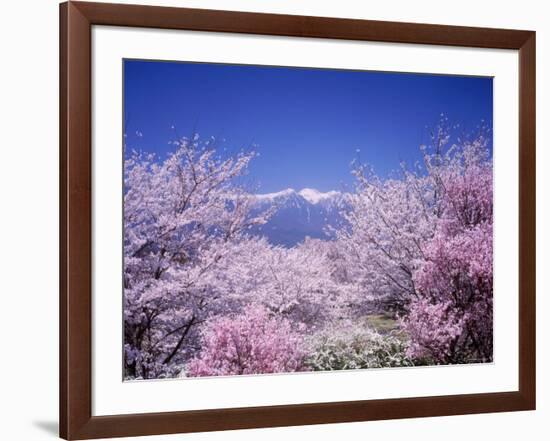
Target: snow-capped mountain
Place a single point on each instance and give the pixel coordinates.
(299, 214)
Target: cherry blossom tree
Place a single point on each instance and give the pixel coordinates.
(254, 342)
(182, 219)
(295, 283)
(421, 245)
(451, 320)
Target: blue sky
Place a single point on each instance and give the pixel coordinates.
(308, 124)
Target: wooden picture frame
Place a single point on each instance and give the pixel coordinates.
(76, 21)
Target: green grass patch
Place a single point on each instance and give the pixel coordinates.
(382, 323)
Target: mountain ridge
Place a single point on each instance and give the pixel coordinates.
(299, 214)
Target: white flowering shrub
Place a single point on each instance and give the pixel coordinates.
(337, 349)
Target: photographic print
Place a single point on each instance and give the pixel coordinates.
(282, 219)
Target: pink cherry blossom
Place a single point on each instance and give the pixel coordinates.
(254, 342)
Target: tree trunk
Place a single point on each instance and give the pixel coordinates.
(180, 341)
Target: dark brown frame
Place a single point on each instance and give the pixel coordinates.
(76, 420)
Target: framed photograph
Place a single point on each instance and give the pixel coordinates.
(272, 220)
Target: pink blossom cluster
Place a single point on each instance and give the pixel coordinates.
(421, 245)
(451, 318)
(254, 342)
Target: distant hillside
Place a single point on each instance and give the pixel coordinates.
(299, 214)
